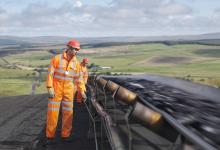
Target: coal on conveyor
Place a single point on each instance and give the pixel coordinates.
(197, 110)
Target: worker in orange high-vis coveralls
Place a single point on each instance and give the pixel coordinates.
(85, 75)
(64, 74)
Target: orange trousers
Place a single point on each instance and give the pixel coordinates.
(64, 93)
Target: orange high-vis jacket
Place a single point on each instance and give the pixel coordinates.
(85, 73)
(62, 70)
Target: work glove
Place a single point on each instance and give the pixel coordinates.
(84, 97)
(51, 93)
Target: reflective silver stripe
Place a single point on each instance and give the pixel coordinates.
(71, 73)
(77, 74)
(57, 109)
(67, 103)
(68, 109)
(59, 70)
(63, 78)
(80, 79)
(62, 71)
(51, 102)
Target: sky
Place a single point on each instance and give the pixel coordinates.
(102, 18)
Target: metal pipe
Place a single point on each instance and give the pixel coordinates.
(146, 115)
(153, 121)
(111, 86)
(102, 82)
(125, 95)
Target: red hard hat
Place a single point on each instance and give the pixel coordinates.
(74, 44)
(85, 60)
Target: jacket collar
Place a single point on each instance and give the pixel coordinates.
(65, 56)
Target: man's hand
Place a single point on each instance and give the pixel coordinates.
(84, 97)
(51, 93)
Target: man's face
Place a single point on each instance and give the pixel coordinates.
(72, 51)
(85, 64)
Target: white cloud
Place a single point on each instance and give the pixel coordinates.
(78, 4)
(173, 9)
(122, 17)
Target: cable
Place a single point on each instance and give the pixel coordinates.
(93, 120)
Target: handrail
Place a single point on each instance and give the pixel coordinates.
(113, 136)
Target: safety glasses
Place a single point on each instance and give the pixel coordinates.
(74, 49)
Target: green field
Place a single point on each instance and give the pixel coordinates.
(195, 62)
(17, 82)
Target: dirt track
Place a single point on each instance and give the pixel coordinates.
(22, 125)
(22, 119)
